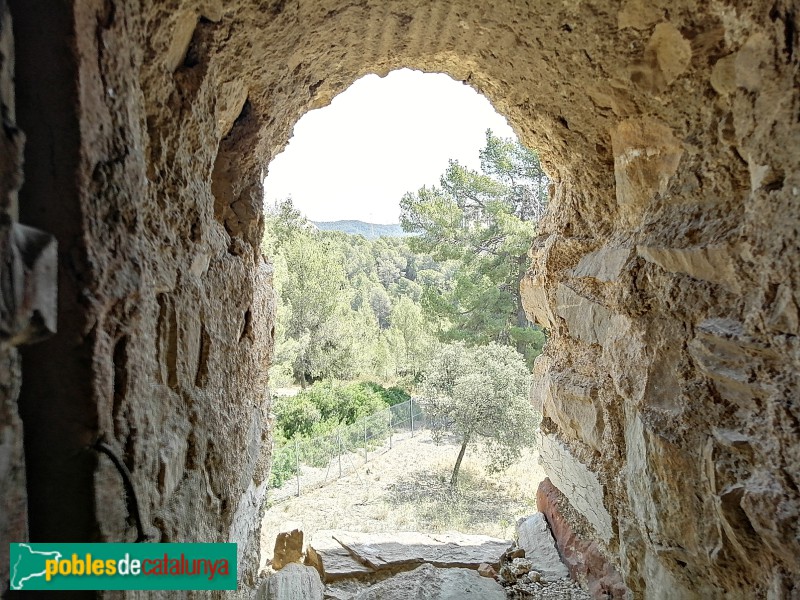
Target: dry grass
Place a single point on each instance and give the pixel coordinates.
(407, 489)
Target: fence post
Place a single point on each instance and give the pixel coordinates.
(297, 463)
(366, 459)
(339, 439)
(391, 427)
(411, 413)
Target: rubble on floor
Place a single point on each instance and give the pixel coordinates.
(341, 565)
(564, 589)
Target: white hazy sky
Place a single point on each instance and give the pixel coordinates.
(382, 137)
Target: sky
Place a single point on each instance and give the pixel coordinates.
(380, 138)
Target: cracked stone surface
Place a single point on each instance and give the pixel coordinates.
(577, 482)
(332, 560)
(427, 582)
(341, 554)
(392, 550)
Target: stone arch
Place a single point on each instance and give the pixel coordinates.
(666, 268)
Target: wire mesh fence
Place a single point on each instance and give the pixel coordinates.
(311, 463)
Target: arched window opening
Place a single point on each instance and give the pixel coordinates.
(398, 222)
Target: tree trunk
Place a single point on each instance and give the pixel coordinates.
(454, 478)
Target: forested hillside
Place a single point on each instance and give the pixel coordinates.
(348, 307)
(356, 308)
(370, 231)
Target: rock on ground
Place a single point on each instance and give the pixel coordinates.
(537, 541)
(432, 583)
(339, 554)
(288, 548)
(293, 582)
(666, 263)
(332, 560)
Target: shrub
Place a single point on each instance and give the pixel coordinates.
(296, 415)
(284, 464)
(324, 406)
(391, 396)
(359, 400)
(303, 420)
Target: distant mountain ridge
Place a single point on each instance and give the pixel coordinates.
(370, 231)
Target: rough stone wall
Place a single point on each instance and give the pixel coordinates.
(666, 271)
(672, 371)
(13, 500)
(165, 315)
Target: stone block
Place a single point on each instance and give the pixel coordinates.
(294, 582)
(586, 320)
(246, 520)
(635, 473)
(724, 354)
(487, 570)
(535, 538)
(288, 548)
(605, 264)
(672, 52)
(534, 301)
(230, 100)
(398, 550)
(646, 156)
(638, 14)
(663, 506)
(183, 28)
(540, 382)
(710, 263)
(344, 589)
(723, 76)
(577, 483)
(571, 402)
(346, 555)
(784, 315)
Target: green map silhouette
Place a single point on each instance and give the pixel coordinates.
(28, 564)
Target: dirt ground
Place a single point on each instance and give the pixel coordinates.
(407, 489)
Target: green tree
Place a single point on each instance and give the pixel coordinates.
(346, 307)
(417, 342)
(481, 394)
(390, 263)
(381, 305)
(484, 222)
(315, 333)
